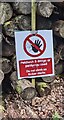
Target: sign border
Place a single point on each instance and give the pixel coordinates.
(28, 38)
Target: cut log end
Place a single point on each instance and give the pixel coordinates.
(5, 12)
(28, 93)
(58, 28)
(48, 79)
(22, 7)
(6, 65)
(45, 9)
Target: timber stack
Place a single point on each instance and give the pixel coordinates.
(20, 96)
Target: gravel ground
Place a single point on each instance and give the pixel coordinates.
(39, 107)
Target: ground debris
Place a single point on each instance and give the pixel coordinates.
(38, 107)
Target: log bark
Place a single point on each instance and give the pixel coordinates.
(62, 53)
(56, 58)
(5, 12)
(59, 68)
(8, 49)
(1, 76)
(43, 23)
(45, 9)
(14, 79)
(60, 4)
(23, 87)
(22, 7)
(55, 43)
(58, 12)
(14, 62)
(28, 90)
(60, 46)
(9, 40)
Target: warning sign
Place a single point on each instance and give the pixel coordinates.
(34, 53)
(38, 44)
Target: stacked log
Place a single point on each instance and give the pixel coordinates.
(19, 19)
(17, 16)
(6, 12)
(22, 8)
(45, 9)
(58, 28)
(20, 22)
(23, 87)
(6, 65)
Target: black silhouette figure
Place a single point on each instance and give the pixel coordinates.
(38, 43)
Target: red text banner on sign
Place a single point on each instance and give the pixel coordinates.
(35, 67)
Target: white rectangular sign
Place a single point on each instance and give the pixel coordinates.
(34, 52)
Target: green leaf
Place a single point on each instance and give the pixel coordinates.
(18, 89)
(42, 84)
(56, 116)
(42, 89)
(2, 108)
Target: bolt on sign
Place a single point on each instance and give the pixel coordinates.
(34, 52)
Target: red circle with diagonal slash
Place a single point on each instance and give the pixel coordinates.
(33, 44)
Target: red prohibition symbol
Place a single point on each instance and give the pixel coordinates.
(28, 38)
